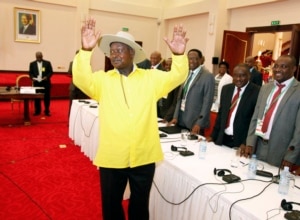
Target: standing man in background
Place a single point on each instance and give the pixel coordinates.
(237, 105)
(167, 104)
(275, 126)
(195, 96)
(40, 71)
(256, 77)
(155, 62)
(129, 144)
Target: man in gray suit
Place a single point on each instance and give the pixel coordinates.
(195, 96)
(279, 142)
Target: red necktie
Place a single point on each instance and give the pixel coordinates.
(272, 106)
(232, 106)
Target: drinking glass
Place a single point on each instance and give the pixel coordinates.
(235, 158)
(184, 137)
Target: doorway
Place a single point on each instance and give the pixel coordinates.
(238, 45)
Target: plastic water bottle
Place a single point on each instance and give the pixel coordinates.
(202, 148)
(284, 182)
(252, 167)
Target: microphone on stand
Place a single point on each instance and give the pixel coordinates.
(276, 178)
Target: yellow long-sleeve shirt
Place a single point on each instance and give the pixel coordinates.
(128, 135)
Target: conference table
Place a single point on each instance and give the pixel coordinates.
(186, 188)
(84, 126)
(11, 93)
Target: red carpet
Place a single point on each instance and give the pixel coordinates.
(39, 178)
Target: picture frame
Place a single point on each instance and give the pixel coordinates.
(27, 25)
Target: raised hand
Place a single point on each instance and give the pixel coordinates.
(178, 44)
(89, 38)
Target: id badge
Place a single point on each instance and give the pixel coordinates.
(182, 107)
(258, 130)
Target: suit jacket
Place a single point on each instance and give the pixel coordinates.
(243, 114)
(30, 30)
(286, 125)
(198, 101)
(169, 104)
(146, 64)
(46, 71)
(256, 77)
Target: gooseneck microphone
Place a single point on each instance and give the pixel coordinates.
(277, 178)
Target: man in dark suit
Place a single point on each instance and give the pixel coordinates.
(256, 76)
(232, 131)
(155, 62)
(40, 71)
(167, 104)
(275, 125)
(195, 96)
(26, 27)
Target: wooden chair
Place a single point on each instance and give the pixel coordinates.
(22, 80)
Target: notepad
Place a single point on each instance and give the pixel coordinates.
(171, 129)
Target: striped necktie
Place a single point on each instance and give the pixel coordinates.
(232, 106)
(271, 108)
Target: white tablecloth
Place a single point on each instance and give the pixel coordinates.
(84, 126)
(177, 177)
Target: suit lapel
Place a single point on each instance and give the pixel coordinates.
(196, 78)
(285, 98)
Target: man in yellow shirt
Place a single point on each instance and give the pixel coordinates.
(129, 142)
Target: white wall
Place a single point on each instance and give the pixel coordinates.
(287, 12)
(60, 21)
(57, 41)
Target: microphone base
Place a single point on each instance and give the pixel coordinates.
(276, 179)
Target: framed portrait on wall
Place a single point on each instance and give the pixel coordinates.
(27, 25)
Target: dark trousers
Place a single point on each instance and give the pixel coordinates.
(113, 184)
(228, 140)
(47, 97)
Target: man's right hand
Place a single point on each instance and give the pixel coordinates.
(172, 122)
(246, 151)
(89, 38)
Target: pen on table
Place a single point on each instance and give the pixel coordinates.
(244, 164)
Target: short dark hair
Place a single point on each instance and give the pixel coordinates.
(293, 59)
(224, 63)
(197, 51)
(243, 65)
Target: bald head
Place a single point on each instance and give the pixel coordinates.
(250, 61)
(39, 56)
(155, 58)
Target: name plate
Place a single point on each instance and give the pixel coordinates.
(27, 90)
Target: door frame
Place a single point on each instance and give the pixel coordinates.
(295, 39)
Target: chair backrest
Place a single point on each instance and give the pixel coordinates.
(23, 80)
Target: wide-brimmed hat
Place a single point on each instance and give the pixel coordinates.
(125, 38)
